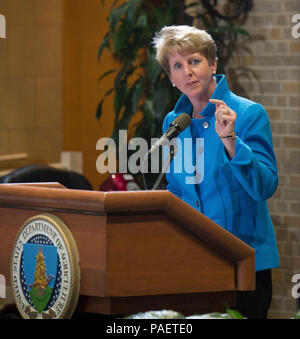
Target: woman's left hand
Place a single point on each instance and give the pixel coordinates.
(225, 118)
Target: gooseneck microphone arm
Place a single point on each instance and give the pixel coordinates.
(176, 127)
(165, 167)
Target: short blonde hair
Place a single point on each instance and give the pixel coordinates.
(183, 39)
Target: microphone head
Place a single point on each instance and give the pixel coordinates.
(182, 121)
(178, 125)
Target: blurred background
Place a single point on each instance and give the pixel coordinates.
(57, 71)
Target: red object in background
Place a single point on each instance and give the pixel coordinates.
(119, 182)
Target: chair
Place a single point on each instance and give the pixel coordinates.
(39, 173)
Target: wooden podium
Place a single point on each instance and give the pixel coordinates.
(139, 251)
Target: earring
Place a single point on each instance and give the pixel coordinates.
(174, 85)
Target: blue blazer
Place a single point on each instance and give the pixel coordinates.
(231, 192)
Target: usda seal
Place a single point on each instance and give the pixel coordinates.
(45, 271)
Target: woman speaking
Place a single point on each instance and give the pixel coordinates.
(239, 171)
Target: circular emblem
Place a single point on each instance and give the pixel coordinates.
(45, 272)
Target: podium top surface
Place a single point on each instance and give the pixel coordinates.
(60, 199)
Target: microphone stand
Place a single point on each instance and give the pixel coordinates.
(173, 150)
(177, 126)
(171, 155)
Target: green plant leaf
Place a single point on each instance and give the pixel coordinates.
(158, 14)
(104, 44)
(119, 99)
(105, 74)
(137, 93)
(234, 313)
(160, 99)
(115, 16)
(142, 21)
(120, 39)
(153, 68)
(131, 11)
(99, 109)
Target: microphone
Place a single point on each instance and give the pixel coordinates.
(176, 127)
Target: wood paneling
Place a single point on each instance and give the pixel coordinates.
(85, 25)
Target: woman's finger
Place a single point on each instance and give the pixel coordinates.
(217, 101)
